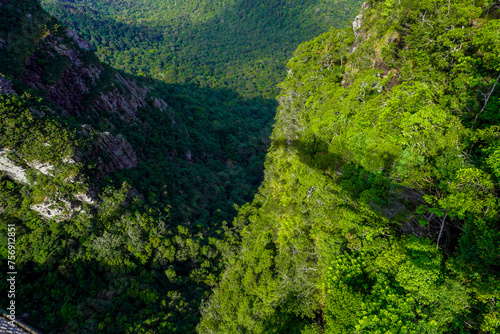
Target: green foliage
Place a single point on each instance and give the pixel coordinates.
(141, 257)
(398, 287)
(383, 170)
(22, 24)
(237, 44)
(37, 140)
(378, 212)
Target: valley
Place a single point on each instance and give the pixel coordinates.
(229, 166)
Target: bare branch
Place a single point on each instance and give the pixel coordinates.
(486, 101)
(441, 231)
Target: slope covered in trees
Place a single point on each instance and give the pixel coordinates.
(114, 183)
(120, 187)
(379, 208)
(242, 45)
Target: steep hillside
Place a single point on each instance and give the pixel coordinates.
(379, 209)
(242, 45)
(114, 183)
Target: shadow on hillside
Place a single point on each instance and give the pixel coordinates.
(200, 155)
(245, 46)
(386, 198)
(377, 189)
(90, 296)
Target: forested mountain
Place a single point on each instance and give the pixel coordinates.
(379, 210)
(114, 183)
(242, 45)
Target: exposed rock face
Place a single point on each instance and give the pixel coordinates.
(5, 85)
(356, 24)
(160, 104)
(18, 172)
(14, 171)
(42, 167)
(85, 197)
(118, 151)
(73, 89)
(126, 104)
(59, 210)
(82, 44)
(69, 91)
(52, 208)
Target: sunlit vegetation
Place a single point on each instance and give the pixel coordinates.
(379, 209)
(242, 45)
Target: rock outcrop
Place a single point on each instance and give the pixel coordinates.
(54, 207)
(127, 103)
(58, 210)
(82, 44)
(80, 86)
(42, 167)
(61, 66)
(357, 26)
(114, 153)
(159, 103)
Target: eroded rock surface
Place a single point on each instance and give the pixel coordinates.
(6, 85)
(14, 171)
(58, 209)
(118, 153)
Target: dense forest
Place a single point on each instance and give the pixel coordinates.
(116, 184)
(121, 187)
(140, 196)
(242, 45)
(379, 208)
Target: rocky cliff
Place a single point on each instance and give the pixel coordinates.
(60, 68)
(379, 209)
(115, 184)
